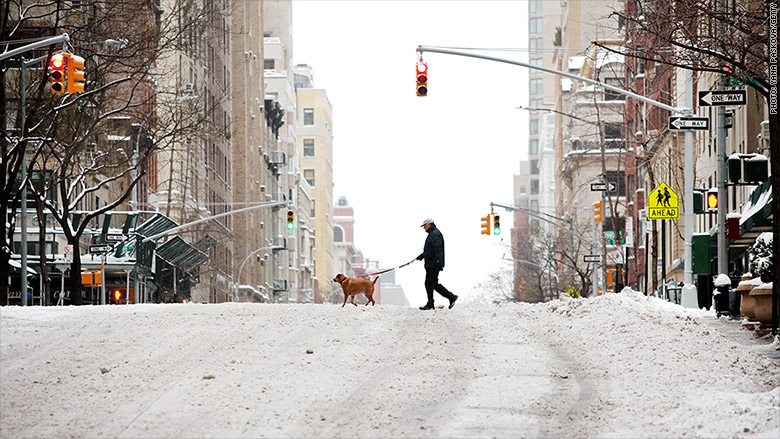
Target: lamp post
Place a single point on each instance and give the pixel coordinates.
(240, 269)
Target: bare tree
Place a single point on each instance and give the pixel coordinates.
(71, 140)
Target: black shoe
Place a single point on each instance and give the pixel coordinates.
(452, 301)
(426, 307)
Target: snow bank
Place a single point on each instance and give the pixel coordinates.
(619, 365)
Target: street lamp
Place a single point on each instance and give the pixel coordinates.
(241, 268)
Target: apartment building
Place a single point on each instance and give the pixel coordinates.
(297, 265)
(562, 114)
(315, 147)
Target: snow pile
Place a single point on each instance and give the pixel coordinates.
(723, 280)
(620, 365)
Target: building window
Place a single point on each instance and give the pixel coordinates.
(537, 103)
(308, 116)
(338, 234)
(534, 167)
(308, 174)
(535, 205)
(533, 126)
(610, 95)
(539, 62)
(534, 187)
(535, 25)
(535, 6)
(269, 64)
(313, 212)
(308, 147)
(536, 86)
(533, 147)
(535, 44)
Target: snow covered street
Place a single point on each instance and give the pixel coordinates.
(621, 365)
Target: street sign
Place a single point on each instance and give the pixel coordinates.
(115, 238)
(689, 123)
(711, 98)
(592, 258)
(663, 203)
(609, 187)
(102, 248)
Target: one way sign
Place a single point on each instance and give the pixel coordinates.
(710, 98)
(689, 123)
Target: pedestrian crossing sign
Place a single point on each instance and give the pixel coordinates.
(663, 203)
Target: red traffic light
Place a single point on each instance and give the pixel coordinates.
(57, 72)
(712, 200)
(422, 79)
(57, 61)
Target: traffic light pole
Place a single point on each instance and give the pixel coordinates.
(541, 216)
(685, 111)
(213, 217)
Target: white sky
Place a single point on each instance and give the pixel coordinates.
(399, 158)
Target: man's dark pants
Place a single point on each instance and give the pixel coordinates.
(432, 284)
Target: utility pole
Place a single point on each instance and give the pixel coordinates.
(720, 152)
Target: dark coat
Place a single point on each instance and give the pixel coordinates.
(433, 251)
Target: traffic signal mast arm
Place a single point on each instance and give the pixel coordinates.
(683, 111)
(541, 216)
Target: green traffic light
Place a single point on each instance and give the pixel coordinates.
(290, 226)
(497, 230)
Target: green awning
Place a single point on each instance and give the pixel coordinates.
(178, 253)
(757, 212)
(154, 225)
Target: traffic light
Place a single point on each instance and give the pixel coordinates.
(496, 225)
(290, 219)
(727, 68)
(597, 211)
(75, 77)
(698, 201)
(712, 200)
(486, 225)
(422, 79)
(57, 66)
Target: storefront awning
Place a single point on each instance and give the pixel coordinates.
(756, 215)
(178, 253)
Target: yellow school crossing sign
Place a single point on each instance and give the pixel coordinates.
(663, 203)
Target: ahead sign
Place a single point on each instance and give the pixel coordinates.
(663, 203)
(710, 98)
(689, 123)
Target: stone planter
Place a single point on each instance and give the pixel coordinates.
(747, 302)
(762, 308)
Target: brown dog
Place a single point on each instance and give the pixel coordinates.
(353, 287)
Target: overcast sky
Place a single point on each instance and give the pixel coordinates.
(399, 158)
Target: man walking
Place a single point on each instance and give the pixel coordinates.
(433, 253)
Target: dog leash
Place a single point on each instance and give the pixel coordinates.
(389, 269)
